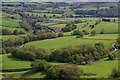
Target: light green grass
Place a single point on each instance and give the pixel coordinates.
(101, 68)
(58, 25)
(66, 41)
(47, 24)
(102, 36)
(5, 37)
(109, 27)
(10, 23)
(12, 29)
(9, 62)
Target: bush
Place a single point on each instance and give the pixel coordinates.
(76, 32)
(60, 34)
(64, 72)
(115, 73)
(93, 32)
(40, 65)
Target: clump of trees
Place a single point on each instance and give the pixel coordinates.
(69, 27)
(77, 32)
(40, 65)
(64, 72)
(115, 73)
(60, 34)
(12, 42)
(30, 53)
(93, 33)
(9, 32)
(79, 54)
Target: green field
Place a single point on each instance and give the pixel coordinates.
(99, 67)
(5, 37)
(109, 27)
(66, 41)
(102, 36)
(58, 25)
(7, 22)
(9, 62)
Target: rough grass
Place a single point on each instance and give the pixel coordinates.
(66, 41)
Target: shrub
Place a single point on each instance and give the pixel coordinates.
(40, 65)
(63, 72)
(60, 34)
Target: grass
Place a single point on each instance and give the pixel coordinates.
(98, 67)
(5, 37)
(66, 41)
(102, 36)
(101, 68)
(9, 62)
(12, 29)
(58, 25)
(9, 22)
(109, 27)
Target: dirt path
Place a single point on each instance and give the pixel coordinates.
(115, 49)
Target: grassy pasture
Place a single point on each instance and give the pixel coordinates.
(66, 41)
(102, 36)
(58, 25)
(9, 23)
(9, 62)
(47, 24)
(99, 67)
(12, 29)
(109, 27)
(10, 15)
(5, 37)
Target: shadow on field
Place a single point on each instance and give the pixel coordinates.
(30, 73)
(14, 58)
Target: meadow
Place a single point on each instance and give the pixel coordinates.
(9, 62)
(10, 20)
(66, 41)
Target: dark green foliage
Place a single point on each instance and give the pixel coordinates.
(115, 73)
(3, 51)
(79, 54)
(15, 32)
(30, 53)
(60, 34)
(93, 33)
(40, 65)
(69, 27)
(6, 32)
(85, 32)
(102, 31)
(76, 32)
(63, 72)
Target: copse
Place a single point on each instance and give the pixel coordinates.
(81, 54)
(60, 34)
(93, 33)
(63, 72)
(40, 65)
(30, 53)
